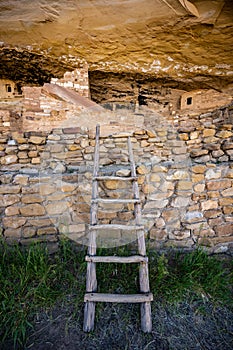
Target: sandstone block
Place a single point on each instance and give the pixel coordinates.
(155, 177)
(123, 172)
(9, 159)
(224, 134)
(226, 201)
(151, 133)
(159, 169)
(158, 234)
(216, 221)
(29, 232)
(198, 152)
(11, 211)
(32, 210)
(12, 233)
(199, 169)
(228, 192)
(21, 180)
(5, 189)
(209, 204)
(184, 185)
(197, 178)
(46, 231)
(178, 202)
(170, 215)
(56, 208)
(212, 213)
(159, 223)
(68, 187)
(13, 222)
(32, 198)
(179, 175)
(46, 188)
(199, 188)
(217, 154)
(142, 170)
(179, 235)
(208, 132)
(74, 147)
(228, 210)
(194, 135)
(148, 188)
(218, 185)
(35, 160)
(224, 230)
(160, 195)
(193, 216)
(37, 140)
(9, 199)
(213, 174)
(184, 136)
(227, 145)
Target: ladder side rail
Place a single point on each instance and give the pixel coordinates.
(138, 215)
(91, 280)
(145, 308)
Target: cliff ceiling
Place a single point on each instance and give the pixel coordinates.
(177, 43)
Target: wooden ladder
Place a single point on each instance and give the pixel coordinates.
(91, 297)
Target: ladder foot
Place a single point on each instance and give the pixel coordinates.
(89, 316)
(146, 322)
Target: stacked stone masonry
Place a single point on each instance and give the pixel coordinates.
(185, 174)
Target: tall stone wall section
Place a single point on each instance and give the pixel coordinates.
(185, 174)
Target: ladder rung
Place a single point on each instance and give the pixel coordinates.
(115, 200)
(117, 259)
(118, 298)
(116, 227)
(117, 178)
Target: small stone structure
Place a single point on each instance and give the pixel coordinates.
(8, 89)
(76, 80)
(185, 174)
(199, 100)
(49, 106)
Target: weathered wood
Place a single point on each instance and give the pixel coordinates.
(115, 227)
(89, 316)
(118, 259)
(146, 321)
(137, 207)
(115, 178)
(144, 278)
(91, 297)
(118, 298)
(115, 200)
(91, 280)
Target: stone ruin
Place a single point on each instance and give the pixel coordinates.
(184, 167)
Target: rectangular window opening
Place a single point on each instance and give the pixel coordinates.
(189, 100)
(8, 88)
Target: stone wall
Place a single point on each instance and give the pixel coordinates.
(77, 80)
(184, 170)
(203, 100)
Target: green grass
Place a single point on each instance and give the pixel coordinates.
(31, 279)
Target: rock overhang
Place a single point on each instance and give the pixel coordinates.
(146, 40)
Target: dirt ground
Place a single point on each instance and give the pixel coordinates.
(195, 326)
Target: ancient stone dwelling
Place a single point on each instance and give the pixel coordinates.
(184, 166)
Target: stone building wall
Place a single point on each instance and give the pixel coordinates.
(203, 100)
(185, 175)
(7, 88)
(77, 80)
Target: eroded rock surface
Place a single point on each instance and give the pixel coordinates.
(184, 43)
